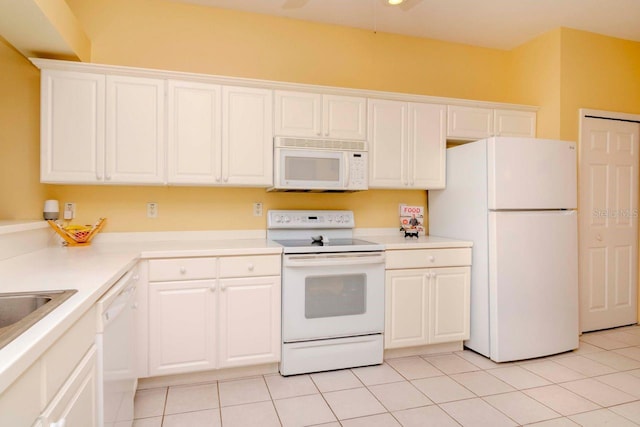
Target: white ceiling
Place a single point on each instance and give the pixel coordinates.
(501, 24)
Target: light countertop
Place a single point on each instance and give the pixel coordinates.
(93, 269)
(423, 242)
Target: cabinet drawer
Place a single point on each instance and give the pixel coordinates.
(244, 266)
(182, 269)
(425, 258)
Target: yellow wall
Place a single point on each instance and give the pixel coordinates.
(535, 80)
(21, 194)
(598, 72)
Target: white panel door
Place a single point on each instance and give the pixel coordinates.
(427, 145)
(249, 321)
(72, 131)
(528, 173)
(515, 123)
(469, 123)
(298, 114)
(181, 326)
(135, 121)
(449, 304)
(533, 283)
(387, 144)
(608, 223)
(344, 117)
(247, 137)
(406, 308)
(195, 133)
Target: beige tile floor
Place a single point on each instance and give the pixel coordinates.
(596, 385)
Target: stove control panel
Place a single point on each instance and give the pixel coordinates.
(310, 219)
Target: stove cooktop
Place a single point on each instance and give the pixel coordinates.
(332, 245)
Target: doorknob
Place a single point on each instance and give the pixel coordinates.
(598, 237)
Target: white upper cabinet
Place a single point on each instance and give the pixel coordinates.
(247, 137)
(314, 115)
(514, 123)
(135, 130)
(427, 145)
(219, 135)
(473, 123)
(98, 129)
(387, 143)
(110, 125)
(194, 129)
(407, 145)
(469, 122)
(72, 127)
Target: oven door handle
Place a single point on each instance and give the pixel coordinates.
(300, 261)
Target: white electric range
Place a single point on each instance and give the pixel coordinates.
(332, 292)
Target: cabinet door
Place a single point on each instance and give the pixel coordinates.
(449, 304)
(427, 145)
(72, 127)
(344, 117)
(406, 308)
(247, 137)
(76, 402)
(181, 326)
(194, 133)
(135, 130)
(298, 114)
(387, 144)
(515, 123)
(469, 123)
(249, 321)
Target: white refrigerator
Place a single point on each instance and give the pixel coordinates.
(515, 198)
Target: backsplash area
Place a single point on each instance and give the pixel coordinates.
(207, 208)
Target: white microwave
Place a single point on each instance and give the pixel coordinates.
(320, 165)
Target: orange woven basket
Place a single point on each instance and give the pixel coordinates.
(77, 237)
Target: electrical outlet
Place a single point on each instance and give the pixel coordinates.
(69, 210)
(152, 210)
(257, 209)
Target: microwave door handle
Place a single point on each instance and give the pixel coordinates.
(311, 261)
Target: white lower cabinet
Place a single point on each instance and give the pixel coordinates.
(229, 318)
(61, 387)
(427, 305)
(249, 321)
(76, 403)
(181, 326)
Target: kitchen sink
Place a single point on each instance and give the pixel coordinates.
(20, 310)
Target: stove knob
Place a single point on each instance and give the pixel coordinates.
(277, 218)
(286, 219)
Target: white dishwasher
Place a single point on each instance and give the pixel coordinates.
(116, 343)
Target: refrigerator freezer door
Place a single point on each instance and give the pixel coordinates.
(528, 173)
(533, 283)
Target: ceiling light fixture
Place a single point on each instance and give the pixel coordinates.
(394, 2)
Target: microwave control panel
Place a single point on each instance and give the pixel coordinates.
(358, 171)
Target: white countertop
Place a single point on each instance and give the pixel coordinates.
(422, 242)
(92, 270)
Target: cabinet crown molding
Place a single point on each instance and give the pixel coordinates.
(54, 64)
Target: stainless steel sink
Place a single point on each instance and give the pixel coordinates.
(20, 310)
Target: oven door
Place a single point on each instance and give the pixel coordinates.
(310, 169)
(332, 295)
